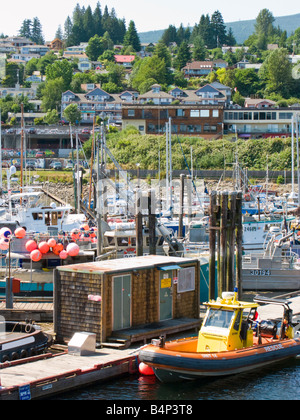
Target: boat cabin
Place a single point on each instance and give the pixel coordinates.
(226, 325)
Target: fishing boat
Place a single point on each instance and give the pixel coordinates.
(277, 267)
(27, 210)
(19, 340)
(230, 341)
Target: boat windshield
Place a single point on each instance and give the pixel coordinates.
(219, 318)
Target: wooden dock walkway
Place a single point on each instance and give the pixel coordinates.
(39, 311)
(47, 375)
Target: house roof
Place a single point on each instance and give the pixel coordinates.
(254, 102)
(124, 58)
(125, 264)
(196, 65)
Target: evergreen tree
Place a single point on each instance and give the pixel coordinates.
(68, 28)
(97, 16)
(169, 35)
(199, 51)
(88, 24)
(230, 38)
(59, 33)
(218, 29)
(25, 29)
(183, 56)
(36, 32)
(131, 37)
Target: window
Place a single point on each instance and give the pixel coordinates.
(180, 112)
(215, 113)
(131, 112)
(186, 280)
(204, 113)
(219, 318)
(194, 113)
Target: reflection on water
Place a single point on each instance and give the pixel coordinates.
(280, 381)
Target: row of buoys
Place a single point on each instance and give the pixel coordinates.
(38, 250)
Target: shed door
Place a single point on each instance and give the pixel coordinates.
(121, 302)
(166, 300)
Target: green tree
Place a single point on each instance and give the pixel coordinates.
(148, 71)
(25, 29)
(218, 29)
(37, 32)
(276, 72)
(95, 48)
(199, 51)
(184, 56)
(60, 69)
(163, 52)
(247, 82)
(169, 35)
(72, 113)
(51, 94)
(52, 117)
(131, 37)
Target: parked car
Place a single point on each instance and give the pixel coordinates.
(86, 130)
(56, 165)
(31, 165)
(40, 155)
(31, 130)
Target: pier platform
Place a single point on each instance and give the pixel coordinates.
(47, 375)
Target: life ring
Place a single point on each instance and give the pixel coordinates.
(247, 197)
(130, 251)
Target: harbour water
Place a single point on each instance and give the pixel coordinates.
(277, 382)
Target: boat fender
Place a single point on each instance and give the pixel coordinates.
(14, 356)
(24, 354)
(145, 369)
(129, 251)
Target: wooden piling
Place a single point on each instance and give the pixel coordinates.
(226, 235)
(223, 243)
(212, 245)
(152, 222)
(239, 243)
(181, 206)
(139, 224)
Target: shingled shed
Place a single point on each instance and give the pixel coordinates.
(106, 297)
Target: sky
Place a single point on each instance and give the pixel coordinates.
(147, 14)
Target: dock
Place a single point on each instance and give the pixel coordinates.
(50, 374)
(37, 309)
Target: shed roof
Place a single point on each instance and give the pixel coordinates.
(125, 264)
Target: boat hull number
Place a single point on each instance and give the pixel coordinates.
(260, 272)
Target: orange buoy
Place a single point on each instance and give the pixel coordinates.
(51, 242)
(31, 245)
(63, 255)
(145, 369)
(36, 255)
(44, 247)
(73, 249)
(58, 248)
(20, 233)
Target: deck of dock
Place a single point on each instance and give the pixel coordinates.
(47, 375)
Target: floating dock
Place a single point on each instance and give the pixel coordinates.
(47, 375)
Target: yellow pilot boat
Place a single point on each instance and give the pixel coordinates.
(230, 341)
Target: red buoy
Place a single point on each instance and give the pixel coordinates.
(145, 369)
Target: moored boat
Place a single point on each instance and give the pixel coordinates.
(228, 343)
(19, 340)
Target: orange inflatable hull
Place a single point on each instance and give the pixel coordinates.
(178, 360)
